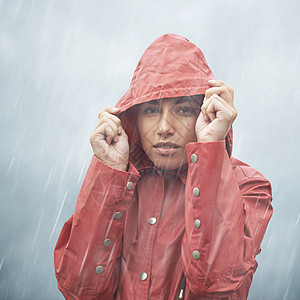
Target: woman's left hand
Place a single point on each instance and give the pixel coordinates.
(217, 113)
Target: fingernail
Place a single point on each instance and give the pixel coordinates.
(115, 108)
(212, 80)
(120, 129)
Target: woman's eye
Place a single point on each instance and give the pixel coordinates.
(186, 110)
(150, 110)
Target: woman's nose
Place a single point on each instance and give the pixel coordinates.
(165, 126)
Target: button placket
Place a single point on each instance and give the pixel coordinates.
(150, 220)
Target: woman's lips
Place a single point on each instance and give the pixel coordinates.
(166, 148)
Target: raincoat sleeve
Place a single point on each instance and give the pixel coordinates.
(233, 205)
(86, 256)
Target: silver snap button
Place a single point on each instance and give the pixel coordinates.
(197, 223)
(117, 215)
(129, 186)
(196, 254)
(99, 270)
(152, 221)
(143, 276)
(107, 242)
(194, 158)
(196, 192)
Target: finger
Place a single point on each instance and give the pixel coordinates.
(205, 117)
(213, 109)
(210, 112)
(221, 91)
(214, 82)
(113, 125)
(220, 99)
(107, 131)
(110, 115)
(210, 100)
(122, 132)
(216, 105)
(220, 83)
(105, 117)
(110, 134)
(204, 106)
(108, 111)
(111, 110)
(115, 139)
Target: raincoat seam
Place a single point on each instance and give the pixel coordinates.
(171, 89)
(261, 179)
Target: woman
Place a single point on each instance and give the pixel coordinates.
(164, 211)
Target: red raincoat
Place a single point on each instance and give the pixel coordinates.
(135, 234)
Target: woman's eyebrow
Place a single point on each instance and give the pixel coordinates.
(183, 100)
(179, 101)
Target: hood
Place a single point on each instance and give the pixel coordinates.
(170, 67)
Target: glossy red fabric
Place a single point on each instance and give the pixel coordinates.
(233, 206)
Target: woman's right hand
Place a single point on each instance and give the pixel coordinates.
(109, 140)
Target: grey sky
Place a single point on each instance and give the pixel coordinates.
(63, 61)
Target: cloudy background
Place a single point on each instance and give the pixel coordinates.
(63, 61)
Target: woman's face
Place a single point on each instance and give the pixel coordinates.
(166, 126)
